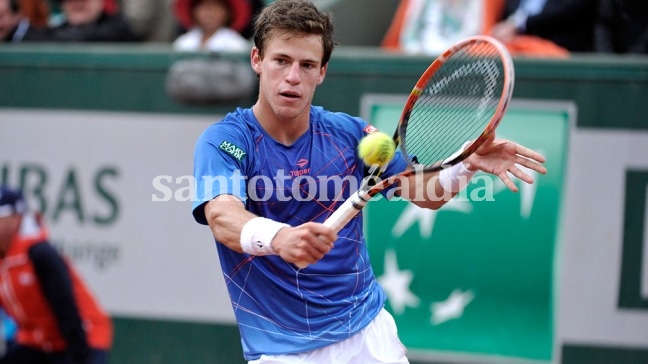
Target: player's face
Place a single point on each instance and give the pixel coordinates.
(289, 72)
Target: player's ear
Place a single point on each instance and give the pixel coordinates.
(322, 74)
(255, 60)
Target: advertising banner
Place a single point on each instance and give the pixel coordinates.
(476, 276)
(114, 189)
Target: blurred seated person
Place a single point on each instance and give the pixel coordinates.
(567, 23)
(22, 20)
(431, 26)
(622, 27)
(151, 20)
(213, 25)
(91, 21)
(37, 11)
(57, 317)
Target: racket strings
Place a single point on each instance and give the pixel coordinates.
(456, 104)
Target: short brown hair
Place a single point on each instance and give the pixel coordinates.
(294, 17)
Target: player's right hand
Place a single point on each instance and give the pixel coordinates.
(306, 243)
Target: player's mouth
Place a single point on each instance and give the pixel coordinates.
(289, 94)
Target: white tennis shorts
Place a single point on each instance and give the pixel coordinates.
(376, 343)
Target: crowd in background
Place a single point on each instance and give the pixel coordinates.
(553, 28)
(527, 27)
(188, 25)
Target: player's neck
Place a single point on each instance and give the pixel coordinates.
(284, 131)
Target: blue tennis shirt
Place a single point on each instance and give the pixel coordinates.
(279, 308)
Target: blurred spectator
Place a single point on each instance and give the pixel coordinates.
(539, 28)
(622, 26)
(58, 319)
(22, 20)
(567, 23)
(431, 26)
(91, 21)
(213, 25)
(151, 20)
(37, 11)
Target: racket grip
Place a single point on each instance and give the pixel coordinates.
(347, 211)
(343, 215)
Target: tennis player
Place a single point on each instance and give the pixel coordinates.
(269, 175)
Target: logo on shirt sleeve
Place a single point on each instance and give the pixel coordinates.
(370, 129)
(232, 150)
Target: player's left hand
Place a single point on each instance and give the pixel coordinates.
(501, 157)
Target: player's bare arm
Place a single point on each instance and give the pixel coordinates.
(415, 190)
(226, 216)
(498, 157)
(309, 242)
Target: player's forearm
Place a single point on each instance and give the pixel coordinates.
(425, 191)
(226, 216)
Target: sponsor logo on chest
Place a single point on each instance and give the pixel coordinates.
(302, 163)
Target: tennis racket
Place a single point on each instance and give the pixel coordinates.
(454, 108)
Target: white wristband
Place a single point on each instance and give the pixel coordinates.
(455, 178)
(257, 235)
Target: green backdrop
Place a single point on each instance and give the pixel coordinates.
(476, 276)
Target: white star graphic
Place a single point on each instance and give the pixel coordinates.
(396, 284)
(425, 217)
(452, 308)
(527, 191)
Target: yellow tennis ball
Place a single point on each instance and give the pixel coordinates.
(376, 148)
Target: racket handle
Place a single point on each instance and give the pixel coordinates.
(347, 211)
(344, 214)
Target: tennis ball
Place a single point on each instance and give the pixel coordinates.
(376, 148)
